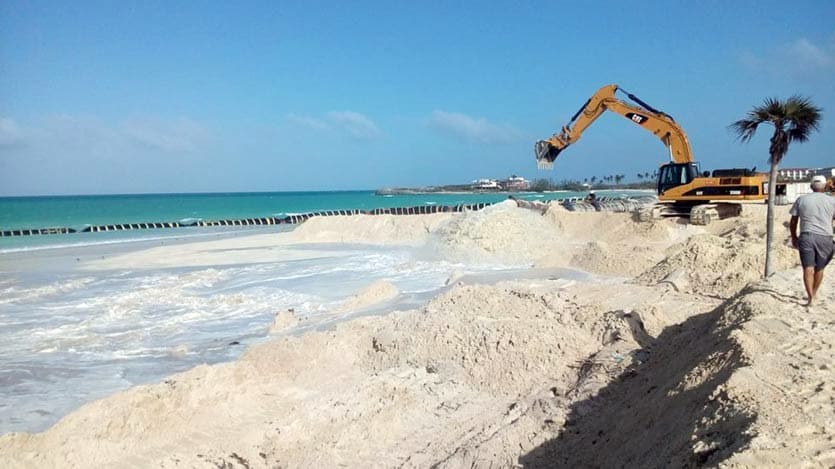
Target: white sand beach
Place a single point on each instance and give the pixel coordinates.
(674, 354)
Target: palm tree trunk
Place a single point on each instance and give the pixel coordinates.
(769, 224)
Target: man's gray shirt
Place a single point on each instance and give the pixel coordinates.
(815, 212)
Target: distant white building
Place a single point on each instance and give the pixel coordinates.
(794, 182)
(803, 174)
(515, 183)
(486, 185)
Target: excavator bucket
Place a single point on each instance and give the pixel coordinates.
(546, 154)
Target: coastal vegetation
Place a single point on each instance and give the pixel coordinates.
(610, 182)
(615, 181)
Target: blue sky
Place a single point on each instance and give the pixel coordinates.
(194, 96)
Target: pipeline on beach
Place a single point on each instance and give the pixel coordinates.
(291, 219)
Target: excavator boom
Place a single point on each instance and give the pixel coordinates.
(659, 123)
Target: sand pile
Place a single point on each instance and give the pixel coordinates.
(748, 384)
(369, 229)
(609, 243)
(614, 259)
(375, 293)
(607, 227)
(490, 337)
(284, 320)
(719, 265)
(606, 243)
(789, 380)
(502, 232)
(671, 410)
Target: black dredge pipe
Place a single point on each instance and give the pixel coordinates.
(37, 231)
(293, 219)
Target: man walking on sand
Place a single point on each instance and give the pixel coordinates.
(815, 212)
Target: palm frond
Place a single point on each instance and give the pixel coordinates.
(745, 129)
(797, 116)
(803, 118)
(773, 108)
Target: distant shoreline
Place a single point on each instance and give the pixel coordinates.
(454, 192)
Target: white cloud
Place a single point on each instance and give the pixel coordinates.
(808, 54)
(353, 123)
(100, 139)
(750, 60)
(356, 124)
(78, 133)
(473, 129)
(306, 121)
(10, 133)
(179, 135)
(796, 58)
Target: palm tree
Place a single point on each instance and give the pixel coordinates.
(794, 120)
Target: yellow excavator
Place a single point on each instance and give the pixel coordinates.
(682, 189)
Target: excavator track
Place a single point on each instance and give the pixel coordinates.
(702, 214)
(661, 210)
(706, 213)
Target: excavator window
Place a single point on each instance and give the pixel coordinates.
(673, 175)
(692, 172)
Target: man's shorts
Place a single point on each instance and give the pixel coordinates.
(815, 250)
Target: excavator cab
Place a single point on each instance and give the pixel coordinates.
(673, 175)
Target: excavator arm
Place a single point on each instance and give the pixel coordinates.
(660, 124)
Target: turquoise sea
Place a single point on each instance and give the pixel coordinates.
(78, 211)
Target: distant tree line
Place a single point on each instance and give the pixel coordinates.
(613, 181)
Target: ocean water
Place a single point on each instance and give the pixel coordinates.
(70, 334)
(79, 211)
